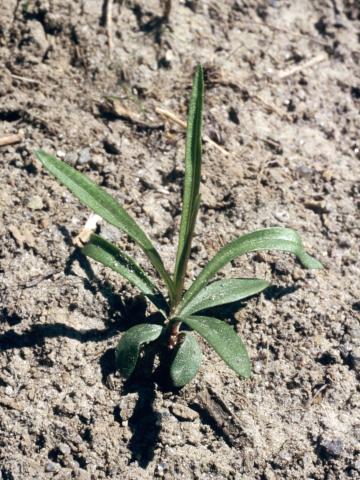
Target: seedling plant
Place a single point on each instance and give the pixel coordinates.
(182, 312)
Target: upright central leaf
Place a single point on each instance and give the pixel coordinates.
(191, 197)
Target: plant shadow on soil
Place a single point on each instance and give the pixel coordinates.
(144, 423)
(37, 334)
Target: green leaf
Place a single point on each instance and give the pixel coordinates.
(224, 340)
(128, 349)
(283, 239)
(109, 255)
(94, 197)
(222, 292)
(191, 197)
(187, 361)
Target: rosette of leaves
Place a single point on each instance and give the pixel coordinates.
(182, 312)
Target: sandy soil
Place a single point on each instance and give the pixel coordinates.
(282, 98)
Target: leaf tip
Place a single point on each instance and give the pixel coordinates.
(199, 79)
(244, 367)
(199, 69)
(247, 371)
(310, 262)
(265, 283)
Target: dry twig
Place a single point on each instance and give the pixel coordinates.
(114, 107)
(174, 118)
(109, 5)
(10, 139)
(303, 66)
(319, 392)
(211, 402)
(27, 79)
(38, 279)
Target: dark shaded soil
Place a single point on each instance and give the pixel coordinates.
(291, 130)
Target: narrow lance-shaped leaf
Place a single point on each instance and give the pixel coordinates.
(187, 247)
(222, 292)
(224, 340)
(104, 205)
(109, 255)
(283, 239)
(128, 349)
(186, 362)
(192, 179)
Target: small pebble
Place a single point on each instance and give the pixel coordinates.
(51, 467)
(97, 160)
(9, 391)
(183, 412)
(257, 367)
(71, 158)
(160, 469)
(64, 448)
(84, 156)
(127, 406)
(298, 273)
(281, 216)
(36, 203)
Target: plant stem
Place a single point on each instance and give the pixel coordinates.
(173, 339)
(173, 330)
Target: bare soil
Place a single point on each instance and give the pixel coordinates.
(282, 99)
